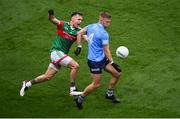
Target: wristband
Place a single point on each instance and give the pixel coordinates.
(111, 62)
(80, 46)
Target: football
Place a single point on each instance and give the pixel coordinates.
(122, 52)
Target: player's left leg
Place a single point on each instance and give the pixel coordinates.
(48, 75)
(96, 71)
(115, 77)
(96, 79)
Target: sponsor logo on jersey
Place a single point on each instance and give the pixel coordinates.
(65, 35)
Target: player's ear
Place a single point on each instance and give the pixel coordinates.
(100, 18)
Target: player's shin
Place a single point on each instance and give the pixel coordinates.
(113, 82)
(73, 76)
(89, 89)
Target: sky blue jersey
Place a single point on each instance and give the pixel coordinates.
(97, 37)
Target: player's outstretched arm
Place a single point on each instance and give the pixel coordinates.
(52, 18)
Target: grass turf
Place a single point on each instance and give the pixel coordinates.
(150, 84)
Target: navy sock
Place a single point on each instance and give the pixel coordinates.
(80, 99)
(110, 92)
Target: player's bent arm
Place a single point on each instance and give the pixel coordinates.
(109, 57)
(108, 53)
(52, 18)
(79, 37)
(81, 33)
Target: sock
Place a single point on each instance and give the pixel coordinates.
(72, 83)
(28, 84)
(72, 86)
(110, 92)
(80, 99)
(34, 81)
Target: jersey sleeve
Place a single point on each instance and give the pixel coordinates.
(105, 39)
(86, 28)
(60, 25)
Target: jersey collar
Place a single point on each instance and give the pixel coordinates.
(101, 25)
(71, 26)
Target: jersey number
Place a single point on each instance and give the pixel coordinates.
(90, 38)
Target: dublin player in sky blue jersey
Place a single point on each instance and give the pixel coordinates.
(99, 57)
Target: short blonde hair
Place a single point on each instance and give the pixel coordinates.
(105, 15)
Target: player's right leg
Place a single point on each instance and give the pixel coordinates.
(51, 71)
(59, 57)
(74, 66)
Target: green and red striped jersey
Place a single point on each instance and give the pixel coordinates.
(65, 38)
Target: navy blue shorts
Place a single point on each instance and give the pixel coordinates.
(96, 67)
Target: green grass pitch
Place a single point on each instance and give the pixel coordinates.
(150, 83)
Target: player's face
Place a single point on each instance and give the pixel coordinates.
(106, 22)
(77, 19)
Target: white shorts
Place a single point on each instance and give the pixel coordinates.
(58, 59)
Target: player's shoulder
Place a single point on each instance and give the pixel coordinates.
(65, 22)
(104, 33)
(93, 26)
(60, 24)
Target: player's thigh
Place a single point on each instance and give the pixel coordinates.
(73, 64)
(59, 58)
(96, 78)
(50, 72)
(110, 69)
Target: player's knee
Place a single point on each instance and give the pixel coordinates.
(75, 66)
(96, 85)
(47, 77)
(117, 74)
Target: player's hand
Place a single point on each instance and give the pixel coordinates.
(78, 50)
(116, 66)
(50, 13)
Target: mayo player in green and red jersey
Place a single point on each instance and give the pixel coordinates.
(66, 35)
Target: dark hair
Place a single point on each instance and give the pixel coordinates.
(76, 13)
(105, 15)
